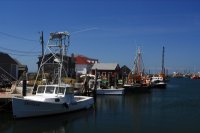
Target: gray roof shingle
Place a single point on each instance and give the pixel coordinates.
(105, 66)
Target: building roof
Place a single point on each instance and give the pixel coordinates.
(80, 59)
(125, 70)
(105, 66)
(7, 59)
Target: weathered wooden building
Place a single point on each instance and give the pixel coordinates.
(10, 68)
(108, 72)
(124, 71)
(51, 66)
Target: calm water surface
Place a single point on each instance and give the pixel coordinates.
(173, 110)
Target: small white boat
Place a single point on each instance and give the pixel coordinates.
(49, 100)
(106, 91)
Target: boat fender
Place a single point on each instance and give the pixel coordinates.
(66, 105)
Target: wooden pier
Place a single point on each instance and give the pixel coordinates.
(5, 101)
(6, 95)
(6, 98)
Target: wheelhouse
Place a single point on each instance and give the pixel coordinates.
(54, 90)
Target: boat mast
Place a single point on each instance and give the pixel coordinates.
(163, 55)
(138, 67)
(138, 64)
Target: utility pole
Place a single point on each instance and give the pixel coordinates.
(42, 42)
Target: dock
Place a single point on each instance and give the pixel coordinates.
(5, 100)
(6, 95)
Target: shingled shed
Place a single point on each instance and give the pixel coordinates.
(8, 66)
(10, 69)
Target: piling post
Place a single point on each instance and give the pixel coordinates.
(24, 84)
(109, 84)
(115, 82)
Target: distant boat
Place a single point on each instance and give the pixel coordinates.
(137, 82)
(195, 77)
(52, 98)
(158, 82)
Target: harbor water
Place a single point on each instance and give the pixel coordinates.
(175, 109)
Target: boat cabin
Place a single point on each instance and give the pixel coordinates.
(157, 78)
(54, 90)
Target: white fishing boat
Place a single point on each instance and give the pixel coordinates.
(49, 100)
(54, 98)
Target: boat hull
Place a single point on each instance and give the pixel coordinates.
(29, 108)
(160, 85)
(137, 89)
(113, 91)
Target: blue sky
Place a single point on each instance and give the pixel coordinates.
(109, 30)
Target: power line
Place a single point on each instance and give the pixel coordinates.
(18, 51)
(20, 54)
(17, 37)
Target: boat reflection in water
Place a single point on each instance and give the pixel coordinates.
(58, 123)
(120, 113)
(109, 103)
